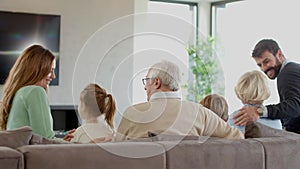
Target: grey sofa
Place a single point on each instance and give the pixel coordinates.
(278, 150)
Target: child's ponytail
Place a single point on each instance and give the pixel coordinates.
(98, 102)
(110, 109)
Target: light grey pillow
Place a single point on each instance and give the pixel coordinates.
(38, 139)
(258, 130)
(16, 138)
(168, 137)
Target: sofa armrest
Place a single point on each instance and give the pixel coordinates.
(10, 158)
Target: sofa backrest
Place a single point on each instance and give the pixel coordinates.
(214, 154)
(94, 156)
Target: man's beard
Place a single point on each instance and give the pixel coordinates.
(276, 71)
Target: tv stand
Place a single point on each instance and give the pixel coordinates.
(65, 118)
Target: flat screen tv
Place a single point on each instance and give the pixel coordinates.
(20, 30)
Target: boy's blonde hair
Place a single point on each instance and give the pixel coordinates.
(217, 104)
(252, 88)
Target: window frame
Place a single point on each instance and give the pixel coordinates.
(194, 4)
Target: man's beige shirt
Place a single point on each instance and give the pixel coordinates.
(166, 113)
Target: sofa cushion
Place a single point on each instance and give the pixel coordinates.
(258, 130)
(15, 138)
(168, 137)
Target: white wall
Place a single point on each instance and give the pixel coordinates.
(90, 46)
(161, 34)
(97, 44)
(239, 36)
(79, 21)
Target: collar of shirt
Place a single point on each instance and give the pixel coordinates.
(283, 64)
(165, 95)
(254, 105)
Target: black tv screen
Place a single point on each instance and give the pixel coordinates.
(20, 30)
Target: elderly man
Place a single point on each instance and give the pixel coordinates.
(166, 113)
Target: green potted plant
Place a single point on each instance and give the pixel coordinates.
(204, 69)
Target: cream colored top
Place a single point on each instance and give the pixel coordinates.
(89, 131)
(165, 113)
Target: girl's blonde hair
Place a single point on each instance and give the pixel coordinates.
(98, 102)
(32, 65)
(217, 104)
(252, 88)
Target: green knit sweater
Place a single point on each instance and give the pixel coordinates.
(30, 107)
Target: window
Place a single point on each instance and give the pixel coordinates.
(163, 34)
(239, 25)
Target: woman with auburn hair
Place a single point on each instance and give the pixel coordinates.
(25, 101)
(252, 89)
(217, 104)
(96, 109)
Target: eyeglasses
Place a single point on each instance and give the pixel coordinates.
(144, 80)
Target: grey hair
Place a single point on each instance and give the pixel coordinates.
(167, 72)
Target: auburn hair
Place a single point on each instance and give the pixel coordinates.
(99, 102)
(32, 65)
(217, 104)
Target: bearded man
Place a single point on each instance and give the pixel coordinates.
(271, 60)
